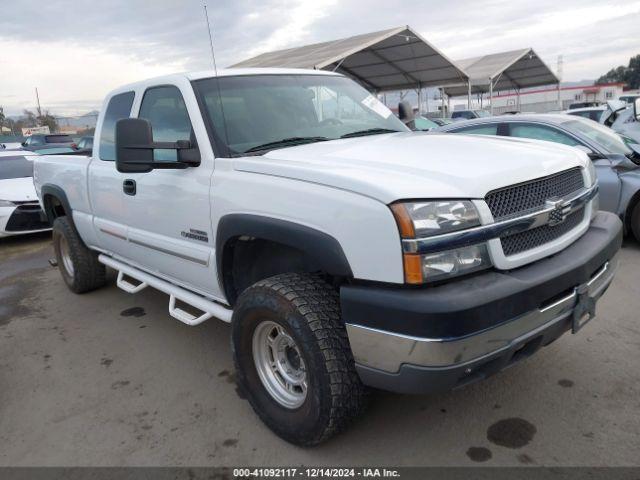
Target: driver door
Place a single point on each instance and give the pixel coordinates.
(167, 210)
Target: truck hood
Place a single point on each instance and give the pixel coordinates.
(417, 165)
(18, 190)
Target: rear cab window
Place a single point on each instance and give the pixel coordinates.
(119, 107)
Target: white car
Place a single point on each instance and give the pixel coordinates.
(617, 115)
(345, 250)
(20, 212)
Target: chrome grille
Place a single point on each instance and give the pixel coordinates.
(523, 241)
(522, 198)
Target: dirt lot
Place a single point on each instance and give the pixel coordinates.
(109, 378)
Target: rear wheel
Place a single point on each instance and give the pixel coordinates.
(79, 266)
(293, 358)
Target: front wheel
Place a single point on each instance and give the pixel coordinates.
(293, 358)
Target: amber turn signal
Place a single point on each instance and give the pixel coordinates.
(413, 268)
(404, 221)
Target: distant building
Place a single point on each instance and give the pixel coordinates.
(67, 130)
(543, 100)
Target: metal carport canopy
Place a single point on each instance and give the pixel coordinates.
(395, 59)
(512, 70)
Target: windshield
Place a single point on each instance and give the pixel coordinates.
(603, 136)
(15, 167)
(262, 109)
(482, 113)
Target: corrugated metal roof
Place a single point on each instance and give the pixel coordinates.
(514, 69)
(393, 59)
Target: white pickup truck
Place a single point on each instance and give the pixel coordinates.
(345, 250)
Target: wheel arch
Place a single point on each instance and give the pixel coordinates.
(631, 205)
(318, 249)
(55, 203)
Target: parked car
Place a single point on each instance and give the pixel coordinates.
(441, 121)
(617, 115)
(630, 99)
(20, 211)
(44, 141)
(468, 114)
(592, 113)
(85, 144)
(616, 162)
(424, 124)
(10, 146)
(577, 105)
(345, 251)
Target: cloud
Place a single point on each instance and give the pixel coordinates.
(75, 51)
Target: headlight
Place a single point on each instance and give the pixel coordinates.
(426, 219)
(6, 203)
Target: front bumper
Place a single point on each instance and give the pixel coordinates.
(22, 219)
(439, 338)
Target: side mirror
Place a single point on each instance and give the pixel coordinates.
(636, 109)
(135, 146)
(134, 151)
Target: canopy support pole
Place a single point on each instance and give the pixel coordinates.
(442, 98)
(491, 96)
(469, 95)
(419, 100)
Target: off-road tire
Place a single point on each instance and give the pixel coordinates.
(635, 221)
(309, 310)
(88, 274)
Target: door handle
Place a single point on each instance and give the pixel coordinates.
(129, 186)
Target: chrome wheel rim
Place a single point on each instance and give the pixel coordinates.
(279, 364)
(65, 256)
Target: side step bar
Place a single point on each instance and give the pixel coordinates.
(207, 307)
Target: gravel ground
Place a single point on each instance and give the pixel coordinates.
(107, 378)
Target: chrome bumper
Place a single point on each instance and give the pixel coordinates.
(387, 351)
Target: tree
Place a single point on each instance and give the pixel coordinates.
(48, 120)
(45, 119)
(629, 75)
(29, 120)
(2, 118)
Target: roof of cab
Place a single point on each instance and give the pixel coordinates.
(226, 72)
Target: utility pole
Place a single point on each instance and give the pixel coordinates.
(39, 109)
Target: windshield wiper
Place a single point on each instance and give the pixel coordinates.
(286, 142)
(369, 131)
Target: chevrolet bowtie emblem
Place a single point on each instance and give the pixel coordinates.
(559, 211)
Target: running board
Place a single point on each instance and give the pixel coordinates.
(207, 307)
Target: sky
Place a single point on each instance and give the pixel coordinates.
(77, 51)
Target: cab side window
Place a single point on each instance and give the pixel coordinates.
(164, 107)
(540, 132)
(119, 107)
